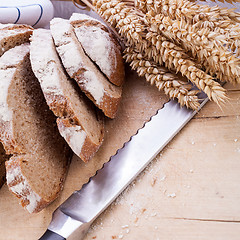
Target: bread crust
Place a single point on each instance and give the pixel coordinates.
(19, 185)
(113, 57)
(3, 158)
(12, 35)
(9, 69)
(105, 95)
(87, 149)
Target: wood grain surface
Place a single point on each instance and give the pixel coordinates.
(191, 190)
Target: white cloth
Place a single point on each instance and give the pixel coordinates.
(36, 13)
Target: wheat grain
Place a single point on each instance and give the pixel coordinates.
(220, 20)
(207, 46)
(158, 48)
(190, 11)
(163, 79)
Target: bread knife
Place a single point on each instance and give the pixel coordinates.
(72, 219)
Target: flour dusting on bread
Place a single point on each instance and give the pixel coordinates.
(93, 86)
(65, 99)
(103, 93)
(22, 188)
(75, 136)
(100, 46)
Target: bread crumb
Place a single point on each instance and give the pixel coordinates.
(153, 214)
(120, 236)
(94, 237)
(191, 170)
(144, 210)
(172, 195)
(214, 144)
(127, 230)
(156, 227)
(163, 178)
(193, 142)
(154, 179)
(125, 226)
(114, 237)
(235, 140)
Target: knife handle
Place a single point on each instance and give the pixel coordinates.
(49, 235)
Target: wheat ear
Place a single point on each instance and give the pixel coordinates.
(188, 10)
(132, 28)
(163, 79)
(161, 50)
(220, 20)
(207, 46)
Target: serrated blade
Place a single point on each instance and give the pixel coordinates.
(85, 205)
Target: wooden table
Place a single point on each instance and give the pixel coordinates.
(191, 190)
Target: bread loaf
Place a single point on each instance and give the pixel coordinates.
(79, 122)
(12, 35)
(93, 83)
(28, 131)
(100, 46)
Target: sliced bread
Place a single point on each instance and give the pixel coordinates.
(40, 157)
(105, 95)
(12, 35)
(79, 122)
(100, 46)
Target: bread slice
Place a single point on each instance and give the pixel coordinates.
(28, 131)
(12, 35)
(100, 46)
(79, 122)
(104, 94)
(3, 158)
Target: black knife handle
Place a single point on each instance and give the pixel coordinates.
(49, 235)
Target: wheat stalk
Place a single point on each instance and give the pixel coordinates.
(163, 79)
(156, 47)
(207, 46)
